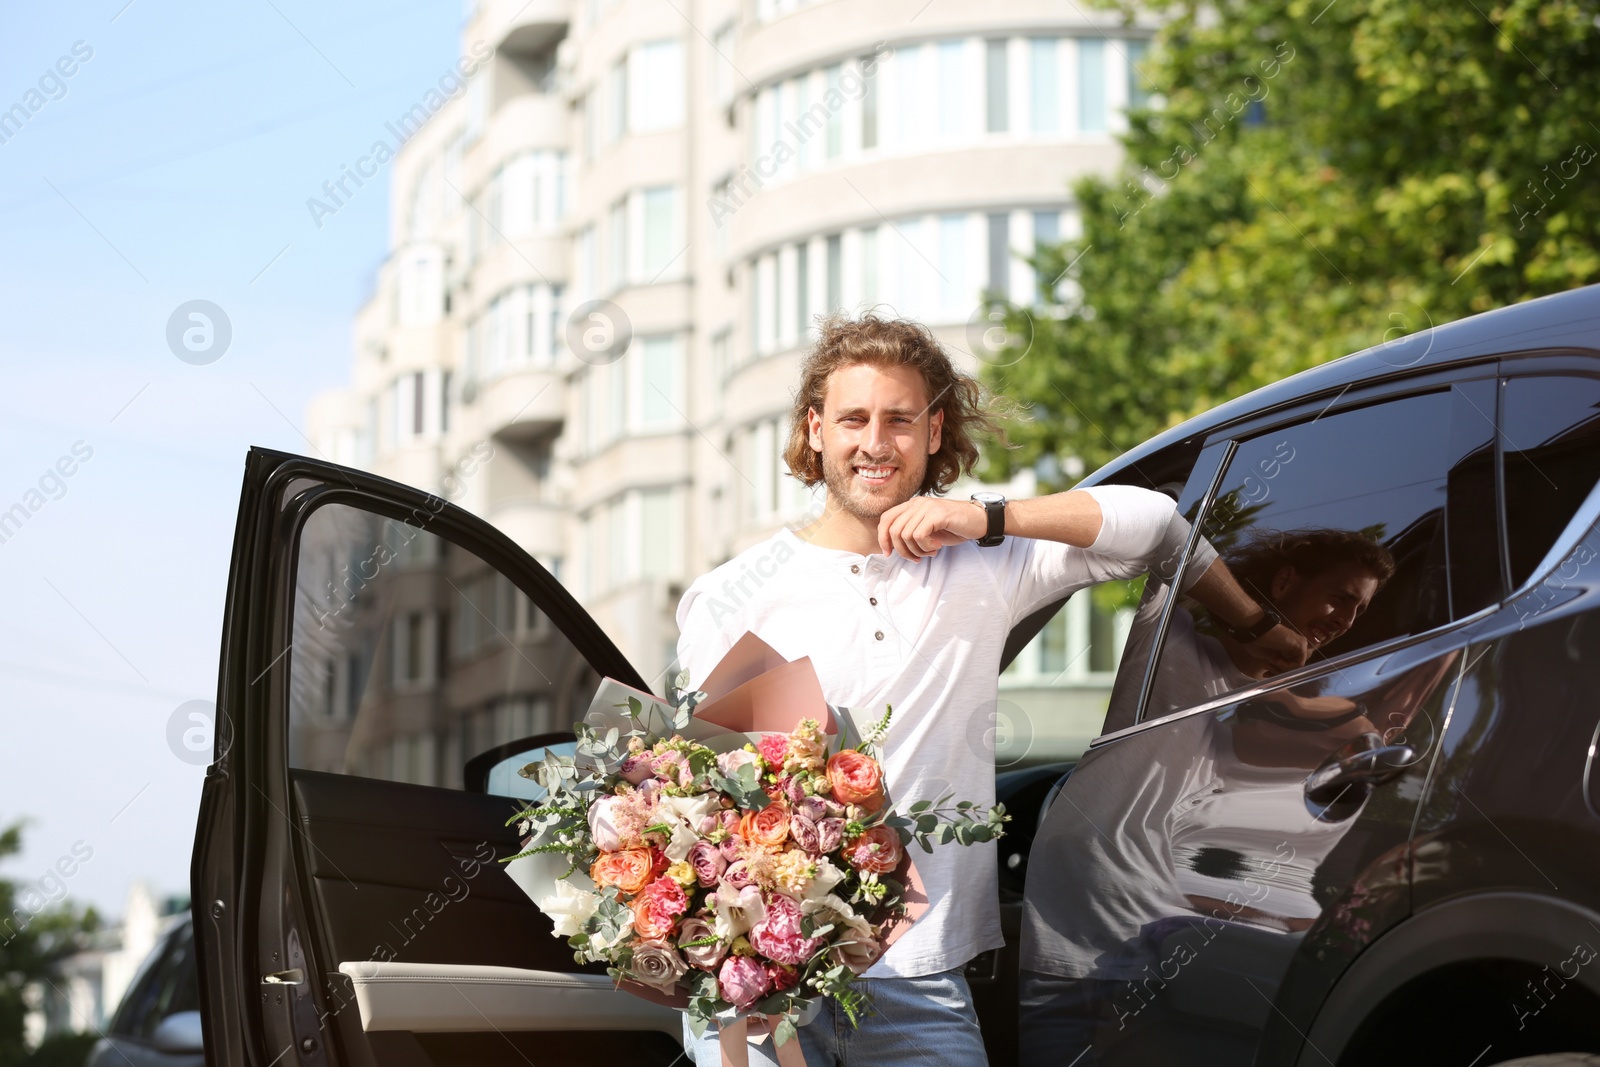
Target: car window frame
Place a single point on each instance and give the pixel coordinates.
(1573, 363)
(1289, 415)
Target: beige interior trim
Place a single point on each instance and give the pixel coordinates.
(457, 998)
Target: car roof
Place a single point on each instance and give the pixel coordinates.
(1562, 320)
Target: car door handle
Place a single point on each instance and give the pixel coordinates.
(293, 976)
(1372, 766)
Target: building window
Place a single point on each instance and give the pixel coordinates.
(835, 114)
(997, 85)
(658, 405)
(1045, 99)
(660, 224)
(656, 84)
(869, 112)
(1138, 83)
(1091, 86)
(952, 94)
(835, 279)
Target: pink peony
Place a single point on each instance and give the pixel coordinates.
(729, 848)
(804, 832)
(830, 834)
(707, 861)
(777, 936)
(603, 824)
(742, 981)
(705, 957)
(774, 748)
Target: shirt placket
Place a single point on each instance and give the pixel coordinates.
(882, 639)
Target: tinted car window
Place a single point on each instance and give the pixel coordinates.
(1551, 429)
(412, 654)
(168, 986)
(1339, 523)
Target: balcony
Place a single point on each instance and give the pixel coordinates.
(523, 27)
(536, 526)
(522, 403)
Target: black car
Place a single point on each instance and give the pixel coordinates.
(1387, 854)
(157, 1023)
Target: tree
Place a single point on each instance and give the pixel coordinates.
(33, 938)
(1311, 179)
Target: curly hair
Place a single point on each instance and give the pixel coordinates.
(1312, 550)
(880, 342)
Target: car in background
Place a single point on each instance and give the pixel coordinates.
(157, 1024)
(1388, 855)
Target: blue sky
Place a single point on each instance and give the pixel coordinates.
(174, 166)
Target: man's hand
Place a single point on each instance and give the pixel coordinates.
(924, 524)
(1280, 649)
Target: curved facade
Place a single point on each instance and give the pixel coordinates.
(709, 179)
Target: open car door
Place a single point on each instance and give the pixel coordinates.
(350, 907)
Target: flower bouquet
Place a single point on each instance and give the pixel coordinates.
(731, 851)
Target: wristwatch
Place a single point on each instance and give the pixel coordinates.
(1246, 634)
(994, 506)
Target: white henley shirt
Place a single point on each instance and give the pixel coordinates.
(926, 637)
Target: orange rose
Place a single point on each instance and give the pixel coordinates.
(856, 779)
(628, 870)
(769, 826)
(877, 850)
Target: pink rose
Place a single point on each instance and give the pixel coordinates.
(737, 875)
(774, 748)
(636, 768)
(603, 824)
(656, 909)
(729, 848)
(856, 778)
(830, 834)
(777, 936)
(804, 832)
(742, 981)
(705, 957)
(707, 861)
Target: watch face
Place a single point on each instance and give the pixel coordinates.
(988, 498)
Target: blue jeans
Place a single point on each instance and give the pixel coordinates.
(916, 1022)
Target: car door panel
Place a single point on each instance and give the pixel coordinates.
(375, 639)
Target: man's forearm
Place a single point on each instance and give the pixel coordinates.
(1073, 517)
(1222, 595)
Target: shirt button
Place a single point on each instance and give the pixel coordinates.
(874, 600)
(854, 569)
(879, 635)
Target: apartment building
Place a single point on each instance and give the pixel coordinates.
(611, 246)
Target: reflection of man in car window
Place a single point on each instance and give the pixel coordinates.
(1318, 580)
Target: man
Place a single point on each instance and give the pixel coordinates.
(903, 598)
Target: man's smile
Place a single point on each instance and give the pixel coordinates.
(874, 474)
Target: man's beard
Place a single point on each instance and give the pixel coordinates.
(840, 478)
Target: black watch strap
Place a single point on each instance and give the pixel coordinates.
(1246, 634)
(995, 511)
